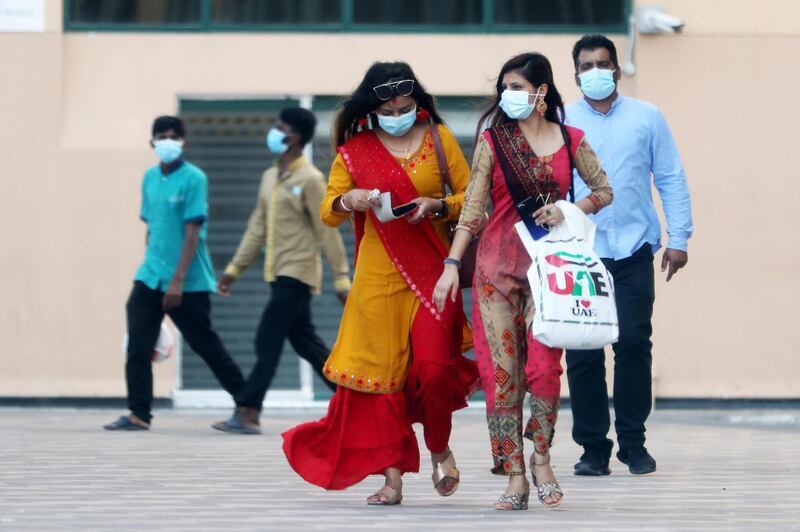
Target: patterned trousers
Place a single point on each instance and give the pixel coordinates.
(512, 363)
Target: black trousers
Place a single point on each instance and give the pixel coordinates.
(586, 373)
(287, 315)
(193, 319)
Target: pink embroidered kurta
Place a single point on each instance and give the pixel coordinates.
(510, 361)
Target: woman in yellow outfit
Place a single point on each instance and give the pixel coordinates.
(398, 359)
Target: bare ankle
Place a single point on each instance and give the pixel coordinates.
(394, 479)
(442, 456)
(517, 484)
(136, 420)
(540, 460)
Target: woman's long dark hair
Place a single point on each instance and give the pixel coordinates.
(363, 102)
(535, 68)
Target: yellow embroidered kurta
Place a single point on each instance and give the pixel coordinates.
(374, 346)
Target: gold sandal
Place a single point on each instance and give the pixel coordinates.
(445, 484)
(386, 496)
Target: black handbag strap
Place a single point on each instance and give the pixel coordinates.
(568, 144)
(525, 203)
(524, 199)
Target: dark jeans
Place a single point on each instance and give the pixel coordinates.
(633, 359)
(192, 317)
(288, 314)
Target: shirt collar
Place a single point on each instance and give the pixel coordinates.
(172, 170)
(614, 105)
(293, 166)
(297, 163)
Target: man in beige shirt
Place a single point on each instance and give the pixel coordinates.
(286, 222)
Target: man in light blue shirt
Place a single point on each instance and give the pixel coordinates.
(637, 150)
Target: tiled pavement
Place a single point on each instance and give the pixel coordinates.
(58, 470)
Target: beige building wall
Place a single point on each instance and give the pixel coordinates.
(76, 110)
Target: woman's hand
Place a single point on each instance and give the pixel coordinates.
(548, 215)
(358, 200)
(448, 284)
(427, 206)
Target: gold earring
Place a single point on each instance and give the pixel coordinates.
(541, 106)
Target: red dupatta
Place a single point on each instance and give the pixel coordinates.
(415, 250)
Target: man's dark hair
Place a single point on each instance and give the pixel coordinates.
(592, 42)
(302, 121)
(163, 124)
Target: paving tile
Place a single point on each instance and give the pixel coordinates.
(718, 471)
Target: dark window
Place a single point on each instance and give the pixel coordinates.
(567, 12)
(254, 12)
(422, 12)
(442, 16)
(174, 12)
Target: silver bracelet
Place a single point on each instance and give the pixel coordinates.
(345, 207)
(454, 262)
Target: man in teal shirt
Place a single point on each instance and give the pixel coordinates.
(176, 277)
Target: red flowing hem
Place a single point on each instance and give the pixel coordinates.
(440, 378)
(448, 394)
(362, 435)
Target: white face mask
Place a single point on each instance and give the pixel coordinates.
(515, 103)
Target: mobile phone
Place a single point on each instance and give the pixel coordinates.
(404, 209)
(537, 231)
(526, 208)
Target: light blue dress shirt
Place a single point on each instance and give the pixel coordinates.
(633, 142)
(169, 202)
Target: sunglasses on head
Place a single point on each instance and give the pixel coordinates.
(404, 87)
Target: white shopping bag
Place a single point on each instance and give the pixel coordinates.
(573, 292)
(164, 348)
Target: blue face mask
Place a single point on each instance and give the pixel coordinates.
(597, 83)
(275, 143)
(168, 150)
(397, 126)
